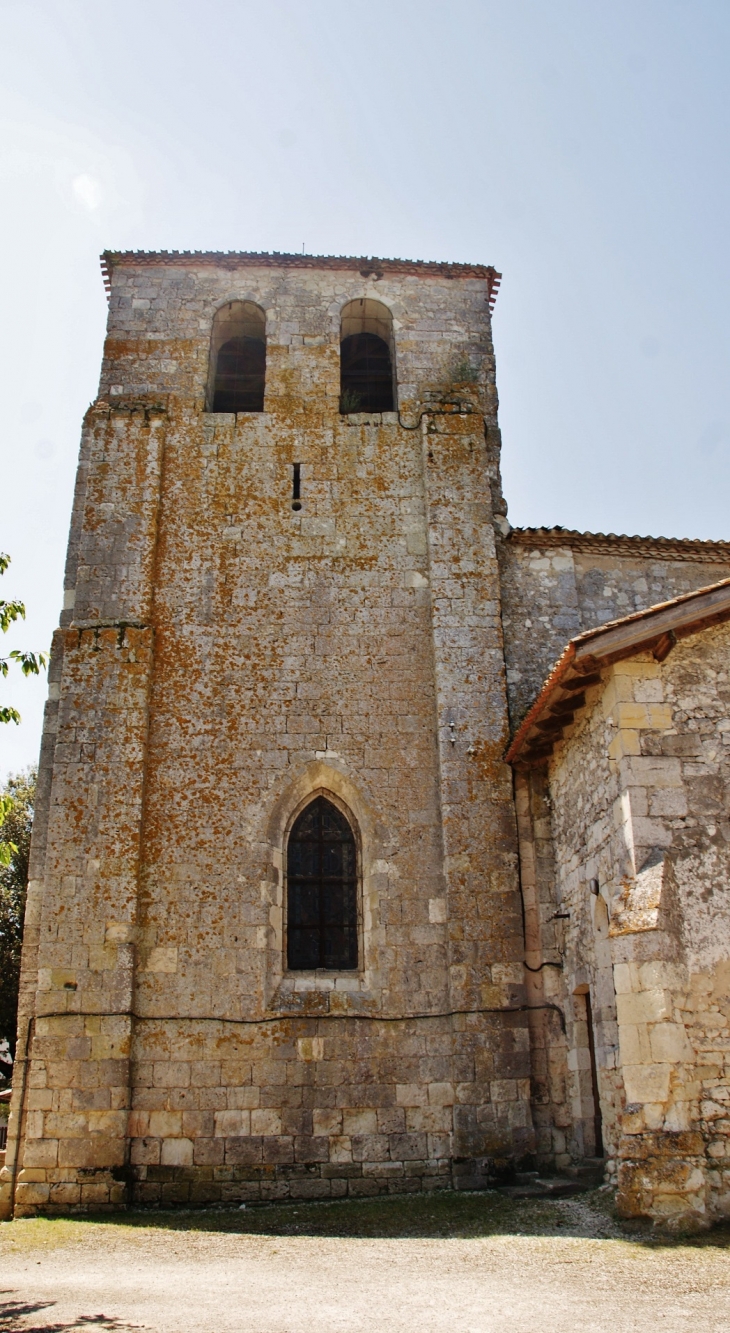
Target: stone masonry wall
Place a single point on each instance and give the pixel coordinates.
(559, 1140)
(640, 803)
(584, 792)
(72, 1101)
(67, 1142)
(353, 647)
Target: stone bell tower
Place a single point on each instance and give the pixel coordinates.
(274, 943)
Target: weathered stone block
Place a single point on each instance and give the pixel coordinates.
(311, 1149)
(648, 1006)
(177, 1152)
(40, 1153)
(244, 1150)
(669, 1041)
(364, 1121)
(232, 1123)
(30, 1196)
(278, 1148)
(408, 1147)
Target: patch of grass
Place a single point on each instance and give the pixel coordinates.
(37, 1233)
(445, 1214)
(442, 1215)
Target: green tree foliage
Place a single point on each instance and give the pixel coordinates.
(18, 798)
(30, 664)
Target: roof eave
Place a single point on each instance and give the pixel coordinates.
(367, 265)
(655, 630)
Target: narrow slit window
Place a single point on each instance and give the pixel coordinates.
(366, 358)
(321, 890)
(296, 486)
(237, 375)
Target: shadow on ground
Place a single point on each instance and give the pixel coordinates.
(437, 1216)
(11, 1311)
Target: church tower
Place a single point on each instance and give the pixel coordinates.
(274, 943)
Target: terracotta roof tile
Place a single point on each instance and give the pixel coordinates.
(611, 543)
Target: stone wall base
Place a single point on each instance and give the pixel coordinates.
(200, 1186)
(39, 1192)
(665, 1176)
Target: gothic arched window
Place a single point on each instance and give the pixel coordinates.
(321, 877)
(366, 357)
(237, 359)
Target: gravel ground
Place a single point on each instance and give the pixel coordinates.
(460, 1263)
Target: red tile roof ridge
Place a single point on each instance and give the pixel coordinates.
(689, 548)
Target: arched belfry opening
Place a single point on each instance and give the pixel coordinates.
(237, 373)
(366, 357)
(321, 888)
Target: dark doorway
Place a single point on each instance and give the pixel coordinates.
(321, 890)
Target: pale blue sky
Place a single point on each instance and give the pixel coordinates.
(580, 147)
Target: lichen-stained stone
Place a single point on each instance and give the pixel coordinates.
(225, 656)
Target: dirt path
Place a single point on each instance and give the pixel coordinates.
(167, 1277)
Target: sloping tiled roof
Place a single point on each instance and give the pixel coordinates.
(612, 543)
(367, 266)
(657, 628)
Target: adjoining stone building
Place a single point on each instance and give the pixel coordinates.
(277, 941)
(622, 768)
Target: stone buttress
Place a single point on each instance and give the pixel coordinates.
(72, 1087)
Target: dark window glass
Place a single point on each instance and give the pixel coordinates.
(239, 376)
(321, 890)
(366, 375)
